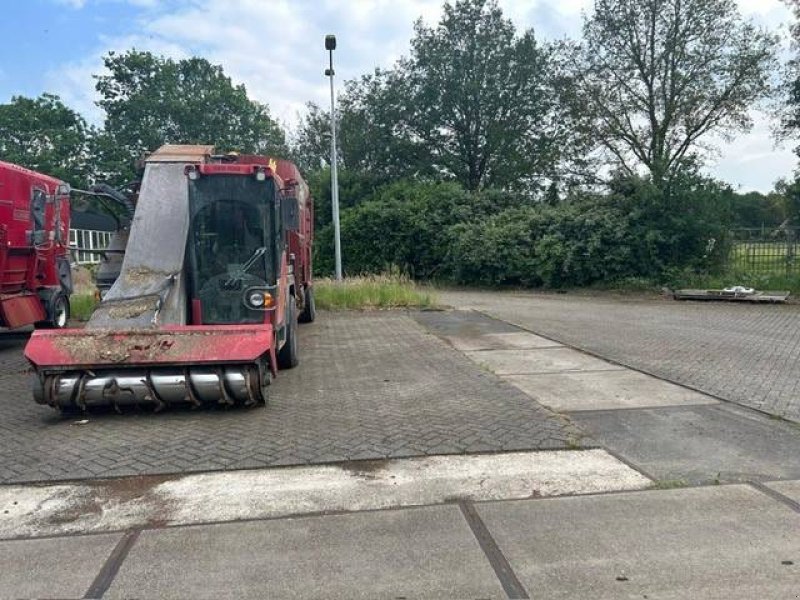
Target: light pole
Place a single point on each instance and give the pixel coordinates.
(330, 46)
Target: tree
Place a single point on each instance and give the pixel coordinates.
(657, 76)
(45, 135)
(473, 102)
(311, 141)
(376, 127)
(482, 96)
(151, 100)
(788, 108)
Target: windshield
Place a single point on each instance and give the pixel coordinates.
(230, 249)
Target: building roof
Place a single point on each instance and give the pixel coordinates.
(93, 220)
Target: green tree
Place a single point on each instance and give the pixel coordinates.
(150, 100)
(482, 99)
(45, 135)
(377, 127)
(657, 76)
(474, 102)
(310, 143)
(788, 105)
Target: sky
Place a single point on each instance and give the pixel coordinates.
(276, 48)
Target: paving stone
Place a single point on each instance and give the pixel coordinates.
(335, 404)
(741, 352)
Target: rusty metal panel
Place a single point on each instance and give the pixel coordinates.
(183, 154)
(176, 345)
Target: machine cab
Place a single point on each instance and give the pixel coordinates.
(236, 243)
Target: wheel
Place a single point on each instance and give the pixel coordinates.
(264, 380)
(57, 312)
(310, 309)
(287, 356)
(60, 314)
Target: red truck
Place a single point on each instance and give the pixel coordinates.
(35, 276)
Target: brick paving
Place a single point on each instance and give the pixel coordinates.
(369, 386)
(745, 353)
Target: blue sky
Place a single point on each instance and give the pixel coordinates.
(275, 47)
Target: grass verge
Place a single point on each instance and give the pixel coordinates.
(81, 306)
(373, 291)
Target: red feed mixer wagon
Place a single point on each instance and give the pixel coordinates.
(216, 275)
(35, 277)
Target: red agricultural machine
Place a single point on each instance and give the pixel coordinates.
(35, 277)
(215, 276)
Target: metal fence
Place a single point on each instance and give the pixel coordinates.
(766, 251)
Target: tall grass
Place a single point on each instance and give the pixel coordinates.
(81, 306)
(372, 291)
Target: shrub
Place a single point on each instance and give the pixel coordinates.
(438, 230)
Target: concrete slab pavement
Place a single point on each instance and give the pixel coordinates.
(414, 553)
(540, 360)
(790, 489)
(520, 340)
(724, 542)
(605, 390)
(743, 353)
(53, 568)
(670, 432)
(699, 444)
(257, 494)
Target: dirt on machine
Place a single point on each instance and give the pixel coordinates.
(216, 275)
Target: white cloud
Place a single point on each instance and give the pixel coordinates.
(753, 161)
(276, 49)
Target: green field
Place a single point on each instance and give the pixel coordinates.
(765, 258)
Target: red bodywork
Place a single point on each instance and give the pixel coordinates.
(30, 248)
(170, 345)
(196, 343)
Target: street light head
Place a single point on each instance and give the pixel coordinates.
(330, 42)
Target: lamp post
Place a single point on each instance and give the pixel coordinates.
(330, 46)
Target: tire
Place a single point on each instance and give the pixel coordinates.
(58, 312)
(287, 356)
(310, 309)
(265, 379)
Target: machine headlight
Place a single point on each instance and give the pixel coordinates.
(259, 299)
(256, 299)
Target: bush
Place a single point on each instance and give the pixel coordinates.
(438, 230)
(406, 225)
(567, 245)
